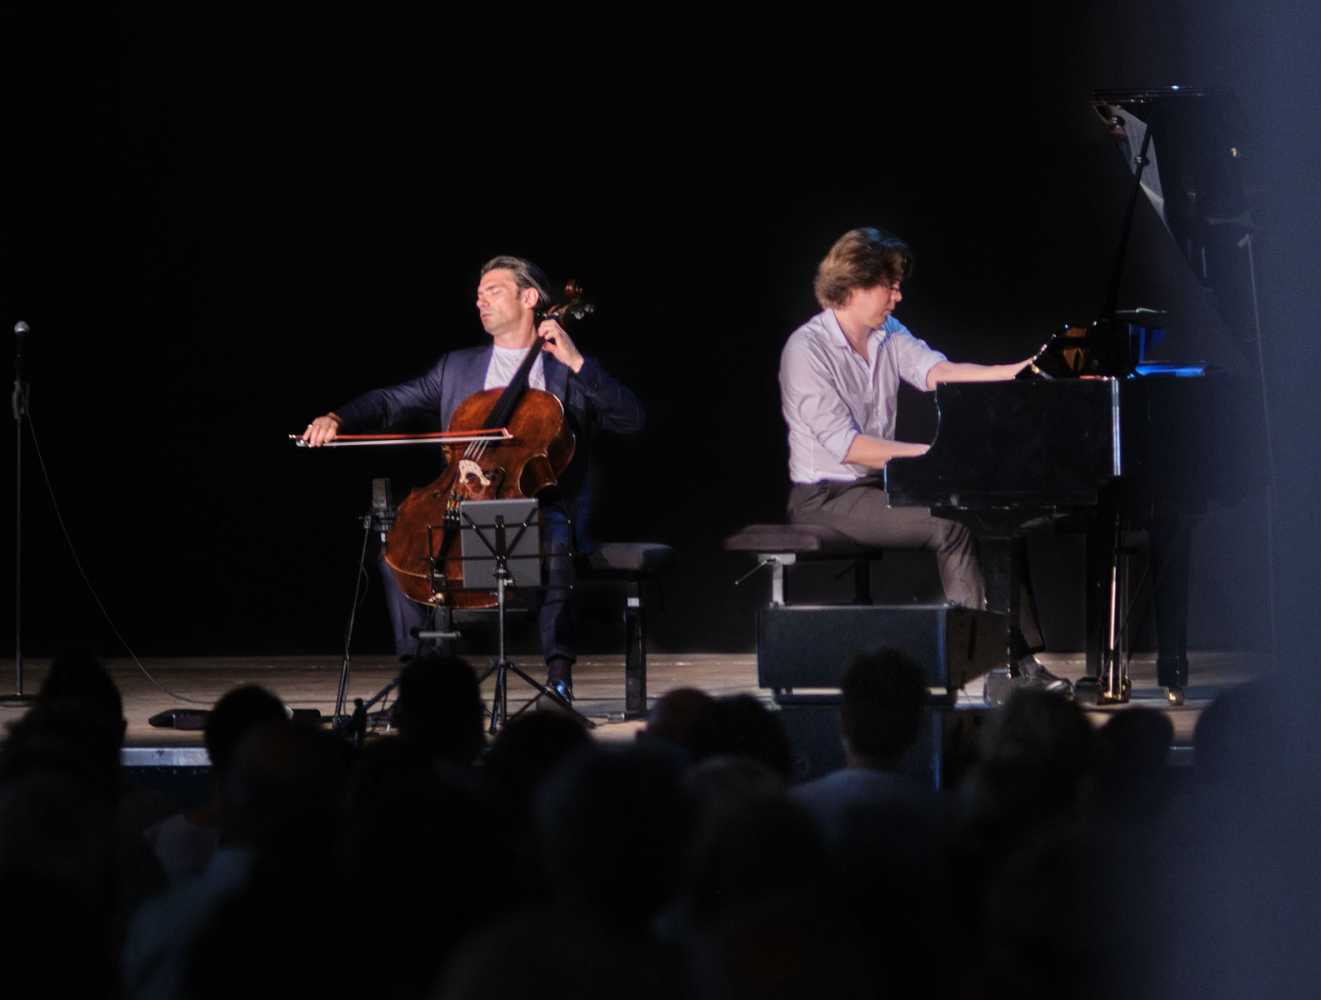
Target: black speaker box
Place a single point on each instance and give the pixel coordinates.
(809, 646)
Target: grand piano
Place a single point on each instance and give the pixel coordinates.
(1095, 429)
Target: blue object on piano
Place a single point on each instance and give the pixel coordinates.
(1170, 369)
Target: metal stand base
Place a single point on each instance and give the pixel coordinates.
(355, 726)
(502, 668)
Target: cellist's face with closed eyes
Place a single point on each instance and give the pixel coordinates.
(504, 308)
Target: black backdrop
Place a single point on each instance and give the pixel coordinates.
(222, 225)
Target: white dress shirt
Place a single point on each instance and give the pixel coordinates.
(829, 394)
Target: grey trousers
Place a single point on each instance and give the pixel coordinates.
(860, 510)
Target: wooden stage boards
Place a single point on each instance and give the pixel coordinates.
(310, 682)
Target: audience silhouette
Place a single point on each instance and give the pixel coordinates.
(685, 864)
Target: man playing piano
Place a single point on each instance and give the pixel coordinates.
(839, 392)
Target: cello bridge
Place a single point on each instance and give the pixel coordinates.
(469, 468)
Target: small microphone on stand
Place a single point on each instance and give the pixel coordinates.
(18, 401)
(383, 508)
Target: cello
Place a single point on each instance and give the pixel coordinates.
(516, 444)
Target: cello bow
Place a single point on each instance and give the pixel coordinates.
(432, 437)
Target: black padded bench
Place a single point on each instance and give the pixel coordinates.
(633, 565)
(778, 546)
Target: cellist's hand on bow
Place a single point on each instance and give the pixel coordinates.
(557, 342)
(321, 431)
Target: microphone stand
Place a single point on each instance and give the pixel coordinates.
(19, 405)
(381, 518)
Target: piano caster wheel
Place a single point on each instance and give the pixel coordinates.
(1104, 697)
(1174, 696)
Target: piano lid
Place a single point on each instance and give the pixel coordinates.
(1198, 182)
(1195, 176)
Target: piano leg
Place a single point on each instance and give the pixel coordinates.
(1106, 669)
(1170, 551)
(999, 558)
(999, 569)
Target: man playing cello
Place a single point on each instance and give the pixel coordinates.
(509, 295)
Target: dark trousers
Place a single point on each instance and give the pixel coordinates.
(861, 510)
(556, 607)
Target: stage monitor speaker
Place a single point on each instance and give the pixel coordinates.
(810, 646)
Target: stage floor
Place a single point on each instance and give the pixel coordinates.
(310, 682)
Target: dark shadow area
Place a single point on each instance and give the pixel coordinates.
(220, 230)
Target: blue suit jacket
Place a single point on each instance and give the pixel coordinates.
(592, 401)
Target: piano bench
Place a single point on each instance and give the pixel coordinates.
(779, 546)
(631, 566)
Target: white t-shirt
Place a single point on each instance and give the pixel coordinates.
(505, 361)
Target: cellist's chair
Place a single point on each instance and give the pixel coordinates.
(635, 565)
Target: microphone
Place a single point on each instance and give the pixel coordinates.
(383, 508)
(18, 400)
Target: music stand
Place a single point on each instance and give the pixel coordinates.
(490, 557)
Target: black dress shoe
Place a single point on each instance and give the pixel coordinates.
(1031, 672)
(562, 689)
